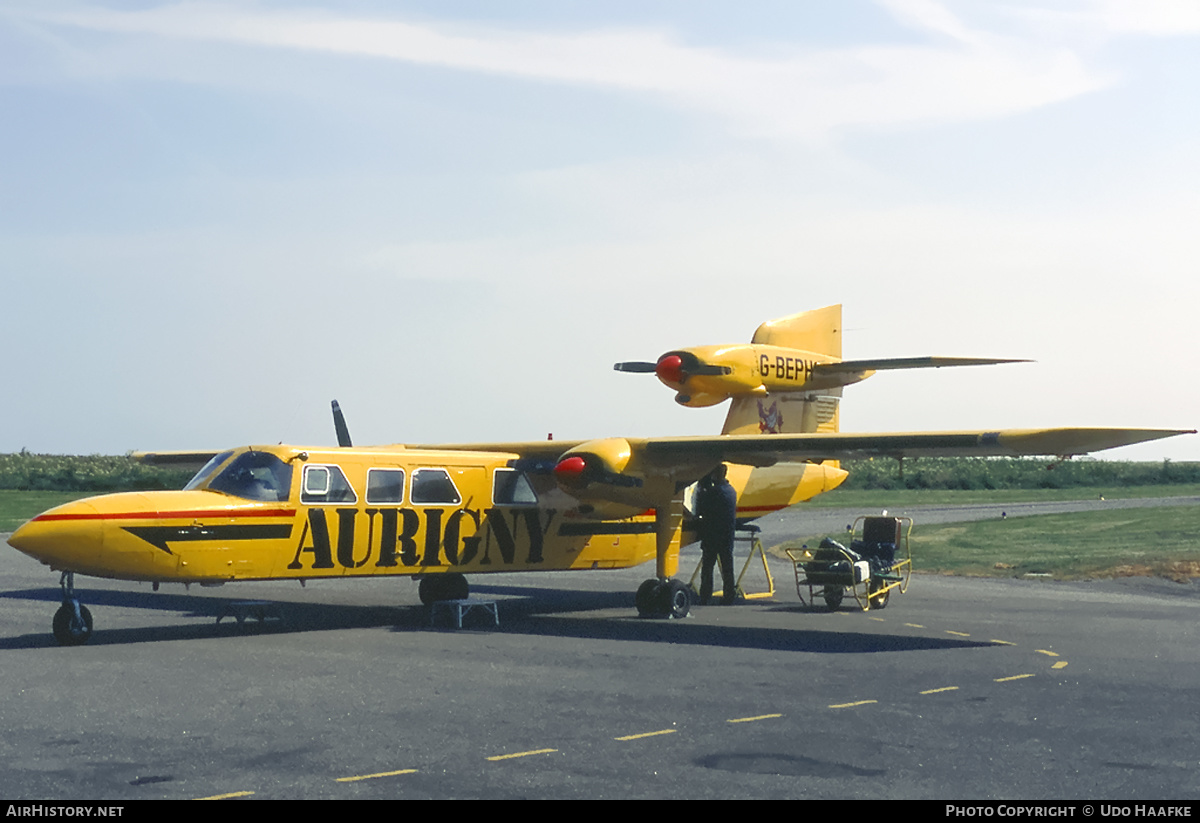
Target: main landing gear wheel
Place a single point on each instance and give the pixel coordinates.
(833, 597)
(663, 598)
(447, 586)
(675, 599)
(647, 597)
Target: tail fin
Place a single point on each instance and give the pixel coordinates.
(818, 331)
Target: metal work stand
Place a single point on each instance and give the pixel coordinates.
(460, 608)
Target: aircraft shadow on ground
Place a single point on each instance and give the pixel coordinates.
(523, 610)
(537, 613)
(298, 616)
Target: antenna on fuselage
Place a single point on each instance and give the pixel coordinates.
(339, 425)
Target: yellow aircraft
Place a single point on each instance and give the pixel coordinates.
(440, 512)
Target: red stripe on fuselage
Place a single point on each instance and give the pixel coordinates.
(170, 515)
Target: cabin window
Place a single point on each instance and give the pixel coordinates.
(385, 485)
(433, 486)
(511, 488)
(255, 476)
(326, 484)
(211, 466)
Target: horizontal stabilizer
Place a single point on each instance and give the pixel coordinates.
(859, 366)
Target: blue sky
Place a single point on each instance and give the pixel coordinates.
(454, 217)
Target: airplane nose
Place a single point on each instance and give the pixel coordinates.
(67, 537)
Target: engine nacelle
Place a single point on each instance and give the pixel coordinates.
(603, 476)
(699, 401)
(596, 463)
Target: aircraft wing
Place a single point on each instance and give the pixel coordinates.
(759, 450)
(174, 458)
(764, 449)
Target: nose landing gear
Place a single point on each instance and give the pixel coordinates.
(72, 621)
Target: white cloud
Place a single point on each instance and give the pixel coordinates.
(964, 73)
(1156, 17)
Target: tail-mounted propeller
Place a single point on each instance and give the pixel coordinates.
(339, 425)
(674, 368)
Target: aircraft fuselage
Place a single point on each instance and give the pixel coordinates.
(286, 512)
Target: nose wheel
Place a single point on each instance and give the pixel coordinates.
(72, 621)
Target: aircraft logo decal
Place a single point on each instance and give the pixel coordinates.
(770, 421)
(394, 537)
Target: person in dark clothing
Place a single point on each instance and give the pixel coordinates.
(716, 508)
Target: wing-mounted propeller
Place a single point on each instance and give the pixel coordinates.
(339, 425)
(597, 462)
(607, 478)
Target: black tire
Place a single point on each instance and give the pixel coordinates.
(457, 587)
(675, 599)
(69, 631)
(833, 597)
(447, 586)
(647, 598)
(880, 601)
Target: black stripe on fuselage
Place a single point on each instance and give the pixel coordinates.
(594, 529)
(159, 536)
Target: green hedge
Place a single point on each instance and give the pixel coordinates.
(103, 473)
(91, 473)
(983, 473)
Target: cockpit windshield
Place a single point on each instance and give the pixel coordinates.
(255, 476)
(201, 477)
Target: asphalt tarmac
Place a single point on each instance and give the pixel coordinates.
(959, 689)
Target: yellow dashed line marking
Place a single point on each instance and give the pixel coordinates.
(1058, 665)
(373, 776)
(646, 734)
(522, 754)
(226, 796)
(752, 719)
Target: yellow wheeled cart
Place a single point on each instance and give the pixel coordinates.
(879, 560)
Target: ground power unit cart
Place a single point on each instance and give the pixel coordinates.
(878, 560)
